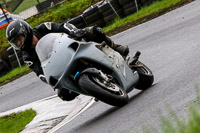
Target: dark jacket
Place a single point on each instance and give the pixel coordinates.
(30, 56)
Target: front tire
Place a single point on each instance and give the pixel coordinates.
(96, 87)
(146, 77)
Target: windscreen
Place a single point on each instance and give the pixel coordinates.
(46, 46)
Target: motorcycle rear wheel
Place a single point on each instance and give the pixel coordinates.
(114, 96)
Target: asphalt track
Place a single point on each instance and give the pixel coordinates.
(23, 91)
(170, 46)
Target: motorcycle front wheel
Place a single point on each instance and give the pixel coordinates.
(146, 77)
(107, 92)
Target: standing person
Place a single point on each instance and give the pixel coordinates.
(23, 37)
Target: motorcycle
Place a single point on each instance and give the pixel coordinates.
(91, 69)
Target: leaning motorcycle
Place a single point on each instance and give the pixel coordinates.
(91, 69)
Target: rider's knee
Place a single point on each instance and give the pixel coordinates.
(66, 95)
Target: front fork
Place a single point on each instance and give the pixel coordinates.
(134, 62)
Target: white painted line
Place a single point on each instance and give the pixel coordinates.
(70, 118)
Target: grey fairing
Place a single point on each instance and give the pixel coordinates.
(67, 51)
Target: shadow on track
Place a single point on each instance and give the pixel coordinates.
(109, 112)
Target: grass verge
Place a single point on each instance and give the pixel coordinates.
(26, 4)
(14, 74)
(16, 122)
(144, 14)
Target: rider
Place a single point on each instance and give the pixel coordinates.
(23, 37)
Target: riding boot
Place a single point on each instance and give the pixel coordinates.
(96, 34)
(123, 50)
(66, 95)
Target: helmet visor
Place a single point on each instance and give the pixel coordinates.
(18, 42)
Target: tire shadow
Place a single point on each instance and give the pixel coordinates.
(141, 92)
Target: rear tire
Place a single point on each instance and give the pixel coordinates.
(97, 89)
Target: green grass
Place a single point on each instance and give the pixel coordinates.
(3, 41)
(26, 4)
(145, 11)
(15, 73)
(62, 12)
(1, 2)
(16, 122)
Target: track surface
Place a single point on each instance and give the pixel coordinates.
(170, 46)
(23, 91)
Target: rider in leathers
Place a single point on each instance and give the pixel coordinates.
(20, 27)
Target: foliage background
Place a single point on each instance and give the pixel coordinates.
(59, 13)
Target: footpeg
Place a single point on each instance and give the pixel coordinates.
(96, 100)
(135, 58)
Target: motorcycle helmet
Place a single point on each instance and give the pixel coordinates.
(16, 28)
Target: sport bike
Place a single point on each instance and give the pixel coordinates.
(91, 68)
